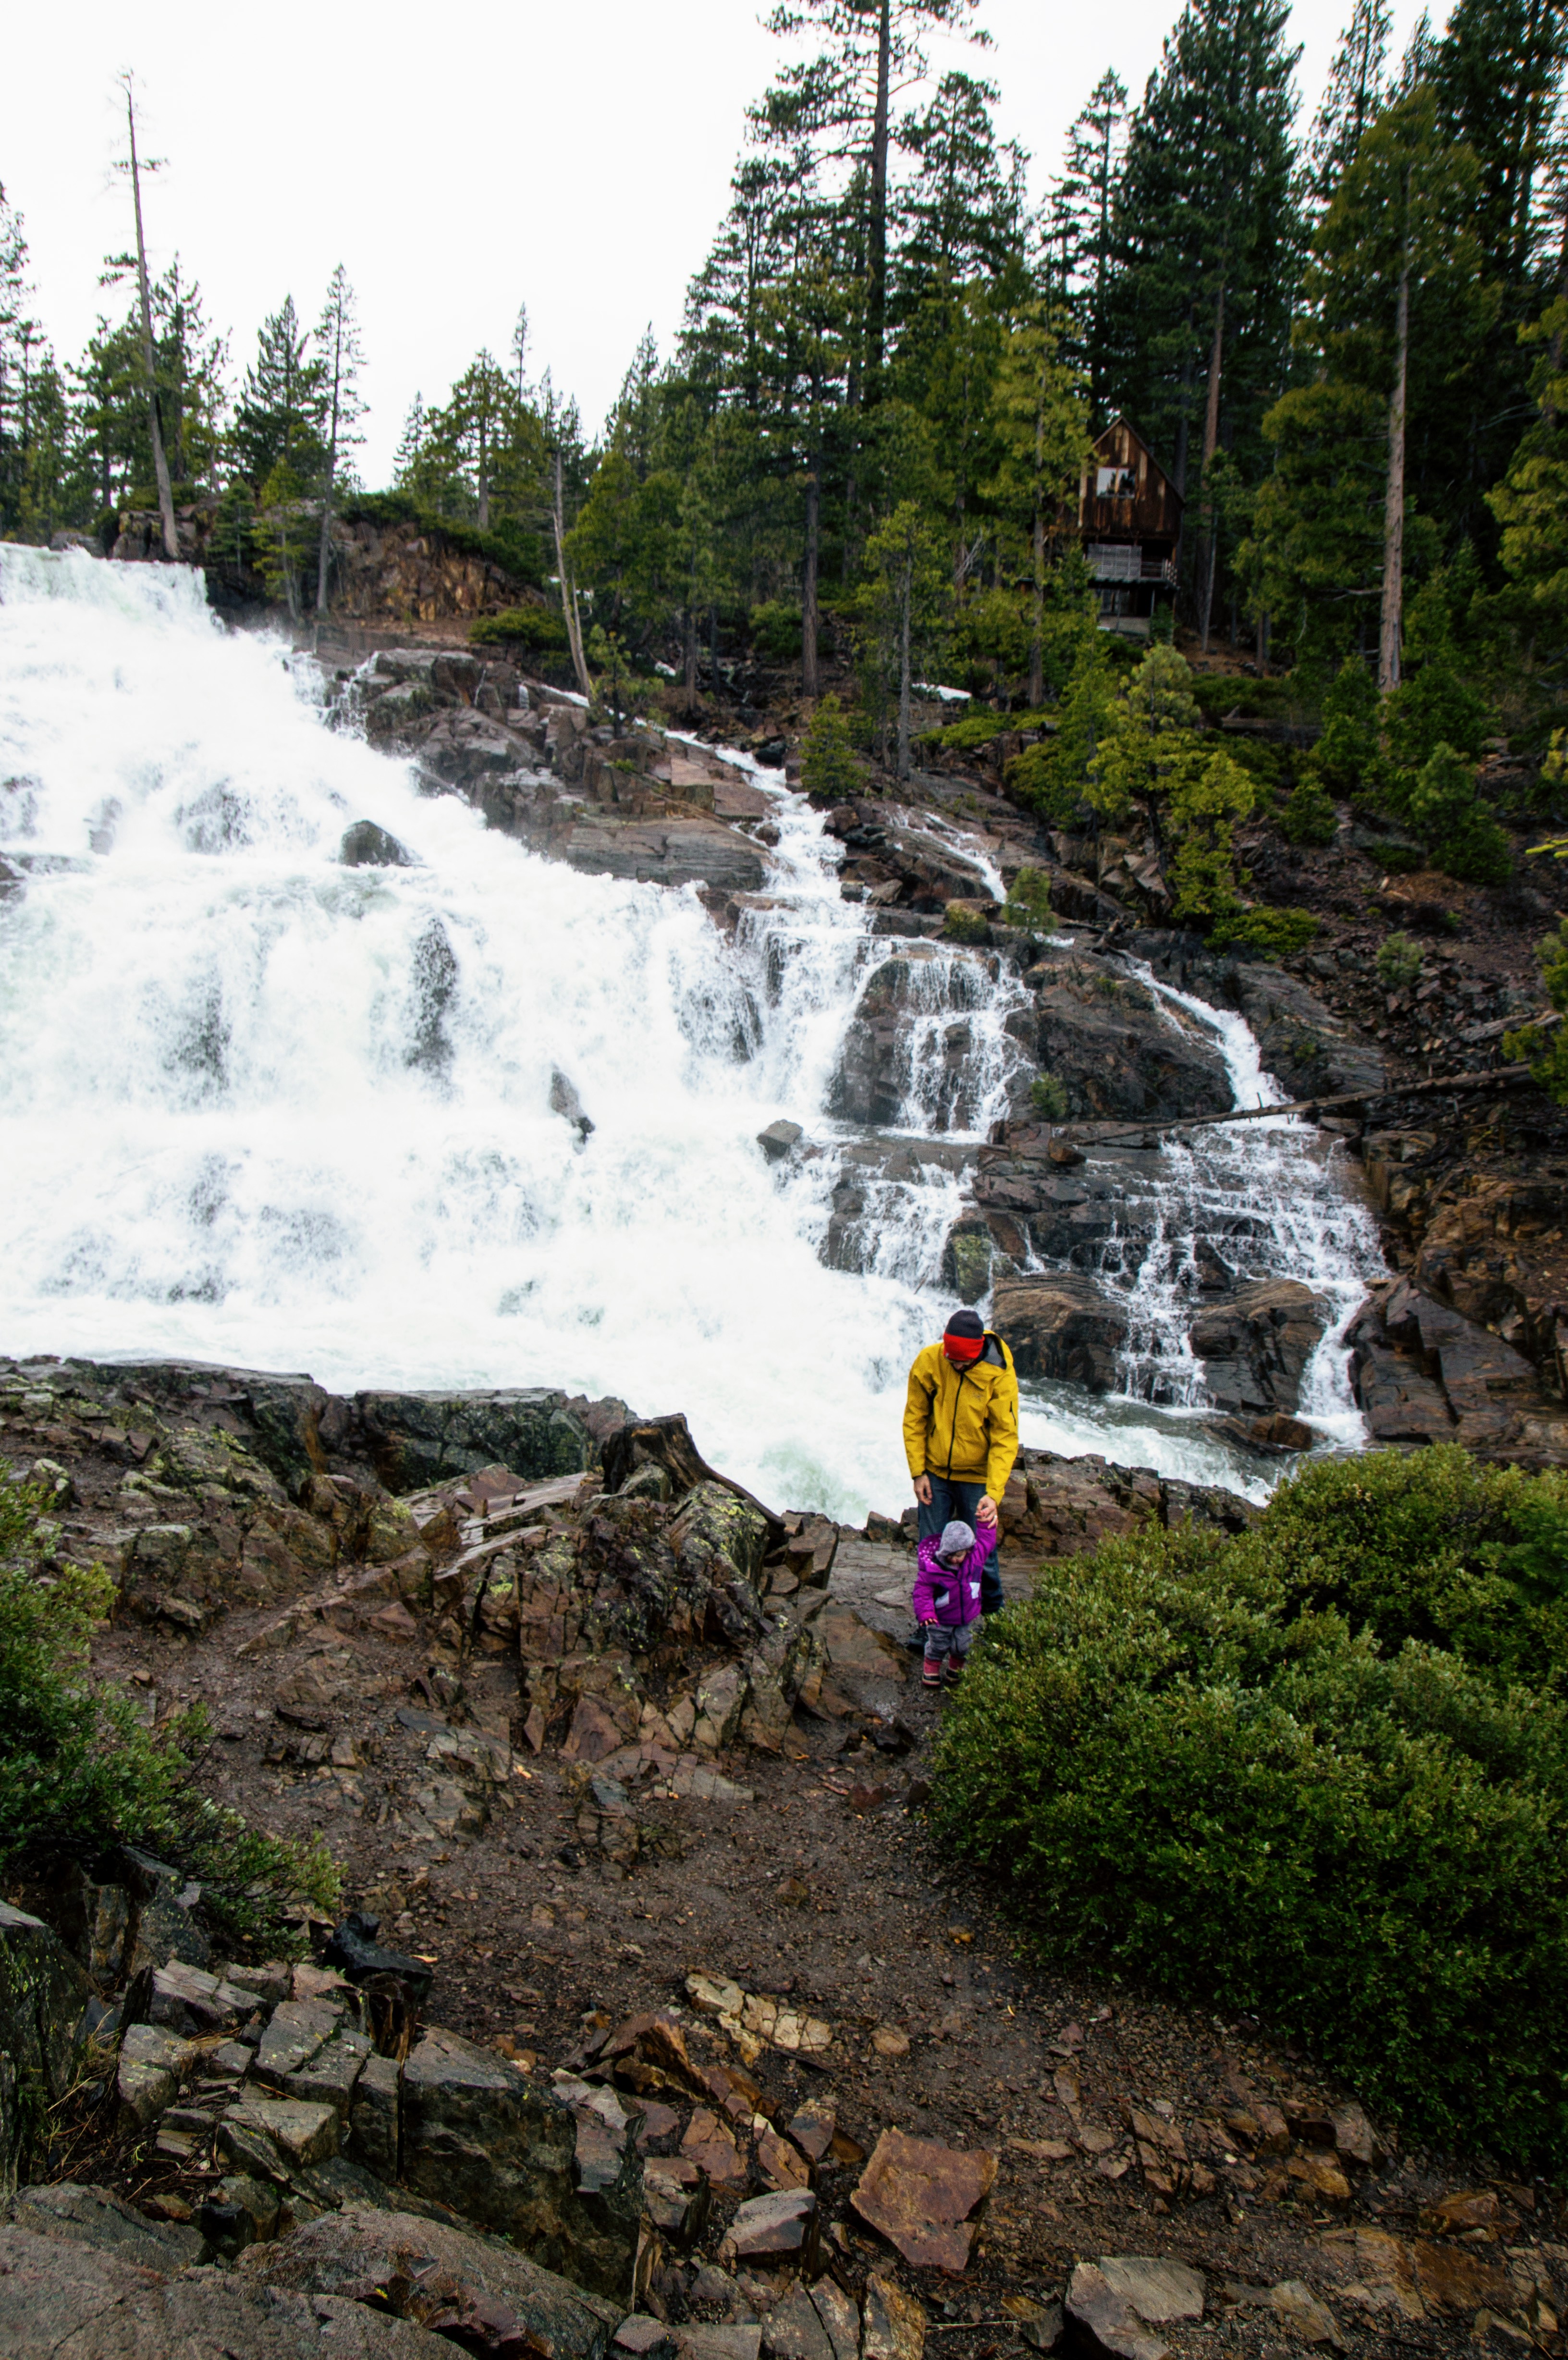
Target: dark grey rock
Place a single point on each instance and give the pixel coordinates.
(1061, 1325)
(1255, 1345)
(360, 2248)
(365, 845)
(43, 1994)
(779, 1138)
(418, 1439)
(479, 2136)
(59, 2297)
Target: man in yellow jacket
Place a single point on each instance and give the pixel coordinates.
(961, 1432)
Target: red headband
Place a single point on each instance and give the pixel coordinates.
(963, 1347)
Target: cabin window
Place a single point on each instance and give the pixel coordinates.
(1117, 484)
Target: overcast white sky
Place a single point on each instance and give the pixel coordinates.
(573, 157)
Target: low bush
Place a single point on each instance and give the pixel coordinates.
(1310, 817)
(1271, 933)
(1400, 961)
(534, 629)
(80, 1771)
(1316, 1771)
(1048, 1096)
(1029, 902)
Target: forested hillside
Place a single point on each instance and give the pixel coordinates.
(1340, 337)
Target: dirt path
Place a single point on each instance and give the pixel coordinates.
(807, 1876)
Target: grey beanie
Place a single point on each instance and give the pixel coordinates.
(957, 1540)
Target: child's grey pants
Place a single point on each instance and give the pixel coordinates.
(943, 1640)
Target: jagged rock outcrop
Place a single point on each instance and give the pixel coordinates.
(1255, 1345)
(640, 806)
(1424, 1373)
(1061, 1325)
(1119, 1051)
(911, 1038)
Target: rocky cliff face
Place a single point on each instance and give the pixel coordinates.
(382, 574)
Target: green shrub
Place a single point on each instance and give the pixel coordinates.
(539, 629)
(1446, 812)
(830, 768)
(1399, 962)
(1548, 1052)
(967, 737)
(778, 632)
(1277, 934)
(1432, 1546)
(1186, 1766)
(1346, 752)
(79, 1770)
(1048, 1096)
(1310, 817)
(963, 925)
(1217, 694)
(1028, 903)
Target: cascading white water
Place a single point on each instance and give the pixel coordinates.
(261, 1108)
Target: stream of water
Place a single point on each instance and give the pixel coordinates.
(260, 1107)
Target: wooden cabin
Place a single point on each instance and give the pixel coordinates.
(1129, 522)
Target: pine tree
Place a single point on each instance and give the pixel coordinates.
(278, 419)
(1080, 217)
(1396, 309)
(337, 341)
(842, 100)
(1355, 94)
(1207, 239)
(134, 166)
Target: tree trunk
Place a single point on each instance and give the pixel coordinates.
(905, 601)
(323, 551)
(1388, 635)
(568, 594)
(713, 650)
(876, 241)
(159, 463)
(809, 686)
(690, 659)
(1555, 350)
(1209, 546)
(1036, 640)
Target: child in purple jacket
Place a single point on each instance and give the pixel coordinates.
(946, 1598)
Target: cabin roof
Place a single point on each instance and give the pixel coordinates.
(1143, 504)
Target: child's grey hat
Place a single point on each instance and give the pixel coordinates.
(957, 1540)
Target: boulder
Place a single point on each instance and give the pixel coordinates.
(426, 2269)
(779, 1138)
(1422, 1372)
(417, 1438)
(60, 2296)
(1120, 1052)
(479, 2136)
(43, 1994)
(365, 845)
(1105, 2322)
(1255, 1345)
(1064, 1326)
(1308, 1049)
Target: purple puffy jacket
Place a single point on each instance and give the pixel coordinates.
(951, 1597)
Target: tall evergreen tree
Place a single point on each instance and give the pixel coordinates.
(277, 418)
(342, 358)
(1080, 209)
(1207, 242)
(1356, 90)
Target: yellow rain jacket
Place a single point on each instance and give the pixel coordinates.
(963, 1424)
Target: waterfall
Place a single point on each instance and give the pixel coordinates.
(261, 1108)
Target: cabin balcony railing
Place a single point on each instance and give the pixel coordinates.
(1113, 563)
